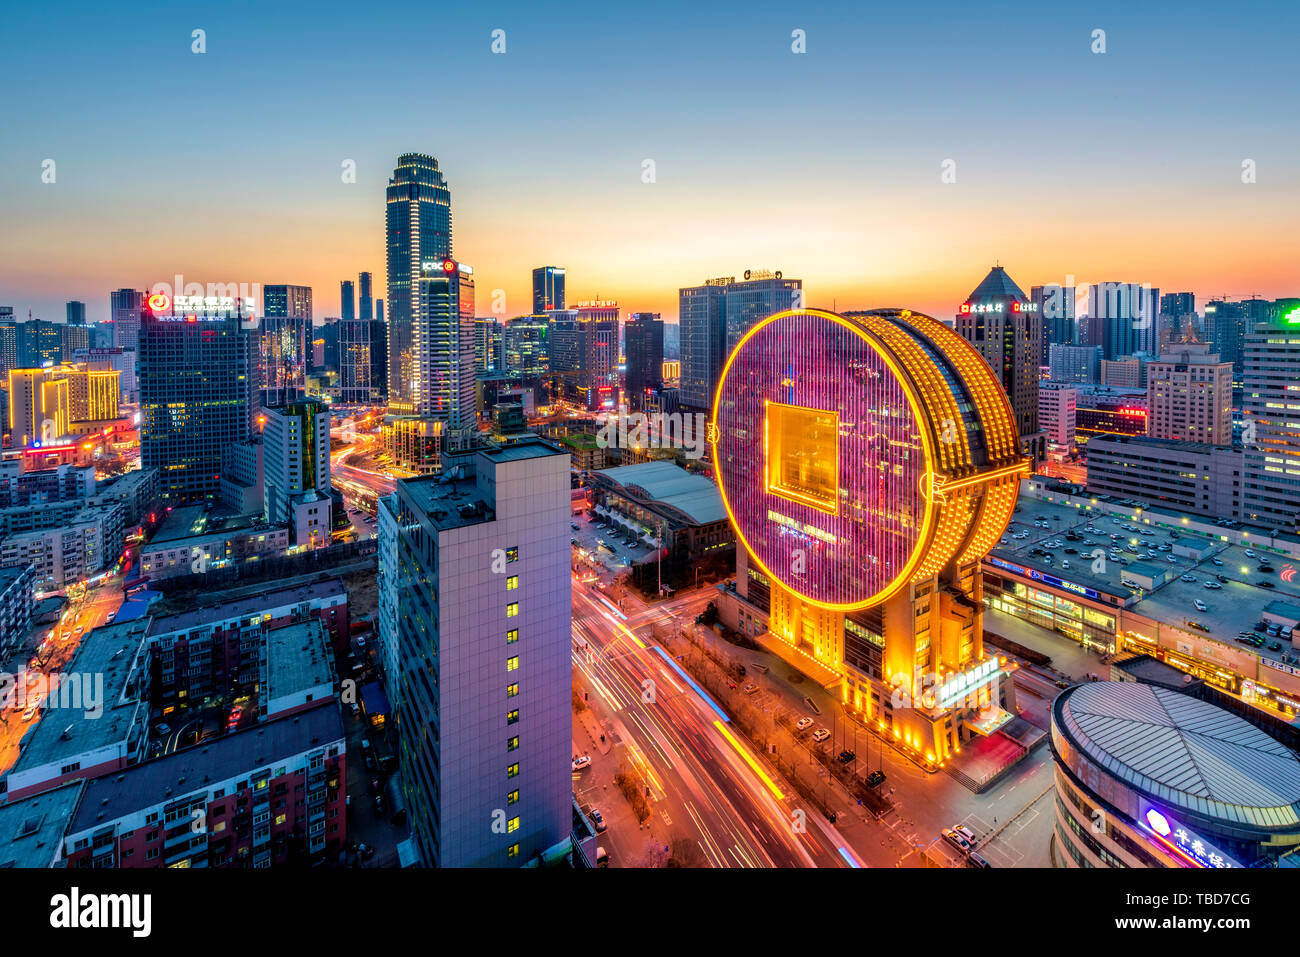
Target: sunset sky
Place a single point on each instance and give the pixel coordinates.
(225, 166)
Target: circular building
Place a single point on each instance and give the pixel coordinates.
(857, 453)
(1151, 777)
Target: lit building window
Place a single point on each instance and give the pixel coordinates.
(512, 609)
(512, 690)
(512, 636)
(512, 825)
(512, 553)
(512, 717)
(512, 583)
(513, 797)
(512, 771)
(512, 850)
(512, 663)
(512, 744)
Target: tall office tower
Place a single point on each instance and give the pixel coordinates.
(643, 344)
(1056, 414)
(365, 298)
(73, 340)
(548, 289)
(1004, 328)
(1177, 318)
(296, 470)
(1226, 324)
(488, 346)
(76, 313)
(417, 233)
(759, 295)
(198, 395)
(93, 393)
(703, 323)
(285, 343)
(442, 347)
(475, 629)
(1123, 318)
(124, 308)
(525, 346)
(1189, 396)
(1074, 363)
(1054, 303)
(379, 310)
(40, 343)
(325, 347)
(1272, 435)
(40, 406)
(830, 454)
(347, 299)
(363, 361)
(8, 340)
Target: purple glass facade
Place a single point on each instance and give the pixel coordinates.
(820, 459)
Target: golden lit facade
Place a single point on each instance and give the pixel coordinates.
(39, 406)
(94, 394)
(867, 461)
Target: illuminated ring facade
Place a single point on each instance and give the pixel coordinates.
(858, 452)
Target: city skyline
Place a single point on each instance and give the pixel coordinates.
(872, 222)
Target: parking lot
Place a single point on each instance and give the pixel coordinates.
(615, 556)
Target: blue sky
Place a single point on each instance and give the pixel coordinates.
(225, 166)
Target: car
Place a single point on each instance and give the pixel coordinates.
(875, 779)
(379, 804)
(821, 734)
(803, 724)
(1249, 553)
(1065, 563)
(1189, 578)
(1265, 584)
(1223, 579)
(31, 710)
(162, 729)
(845, 757)
(79, 629)
(1213, 585)
(750, 687)
(1266, 569)
(1275, 646)
(1217, 561)
(598, 819)
(581, 762)
(974, 860)
(573, 525)
(110, 617)
(602, 857)
(1200, 605)
(956, 840)
(374, 785)
(356, 709)
(1172, 560)
(965, 832)
(1129, 583)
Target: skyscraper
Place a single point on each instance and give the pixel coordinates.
(285, 343)
(417, 233)
(1054, 304)
(1272, 434)
(365, 298)
(703, 323)
(548, 288)
(488, 356)
(124, 306)
(643, 345)
(442, 346)
(76, 313)
(1123, 318)
(296, 469)
(347, 299)
(828, 442)
(1003, 326)
(198, 395)
(363, 361)
(1189, 396)
(1177, 318)
(758, 295)
(475, 631)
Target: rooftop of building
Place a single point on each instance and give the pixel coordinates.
(192, 521)
(1149, 670)
(1151, 442)
(194, 769)
(1237, 606)
(297, 659)
(997, 285)
(250, 605)
(1183, 752)
(31, 829)
(690, 493)
(63, 731)
(452, 500)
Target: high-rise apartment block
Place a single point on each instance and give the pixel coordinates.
(475, 632)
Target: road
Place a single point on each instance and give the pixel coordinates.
(54, 655)
(707, 783)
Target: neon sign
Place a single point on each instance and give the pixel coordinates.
(1184, 843)
(1292, 317)
(968, 682)
(158, 302)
